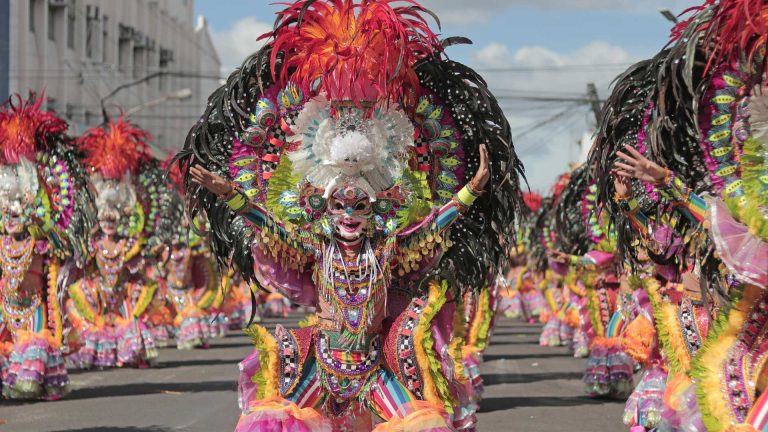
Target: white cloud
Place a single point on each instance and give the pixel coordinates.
(539, 71)
(462, 12)
(239, 41)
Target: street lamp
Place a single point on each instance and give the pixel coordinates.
(180, 95)
(147, 78)
(666, 13)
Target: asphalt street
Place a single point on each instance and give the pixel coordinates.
(527, 388)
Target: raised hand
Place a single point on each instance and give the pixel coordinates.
(635, 165)
(483, 173)
(214, 183)
(622, 185)
(557, 256)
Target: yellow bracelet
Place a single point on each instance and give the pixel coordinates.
(237, 202)
(465, 196)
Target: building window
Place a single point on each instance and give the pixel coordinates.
(124, 50)
(71, 21)
(32, 16)
(104, 38)
(52, 23)
(91, 31)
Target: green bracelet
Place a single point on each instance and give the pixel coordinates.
(237, 202)
(465, 196)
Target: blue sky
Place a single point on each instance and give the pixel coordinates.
(543, 47)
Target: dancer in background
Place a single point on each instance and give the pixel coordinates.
(44, 205)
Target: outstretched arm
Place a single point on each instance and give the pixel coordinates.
(419, 243)
(632, 164)
(445, 216)
(279, 262)
(241, 204)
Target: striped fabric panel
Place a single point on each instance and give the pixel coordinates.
(758, 415)
(309, 392)
(389, 398)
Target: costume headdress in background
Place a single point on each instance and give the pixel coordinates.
(356, 93)
(40, 171)
(113, 155)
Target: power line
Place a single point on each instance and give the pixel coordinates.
(557, 116)
(555, 68)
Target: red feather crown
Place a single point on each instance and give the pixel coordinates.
(24, 129)
(736, 29)
(353, 52)
(115, 150)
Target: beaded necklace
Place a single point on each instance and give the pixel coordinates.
(15, 261)
(352, 288)
(110, 263)
(179, 265)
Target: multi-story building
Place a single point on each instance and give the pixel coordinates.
(81, 51)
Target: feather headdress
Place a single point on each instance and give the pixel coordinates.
(352, 51)
(349, 145)
(380, 66)
(729, 31)
(115, 150)
(25, 129)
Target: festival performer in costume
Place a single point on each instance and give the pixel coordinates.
(192, 285)
(42, 199)
(705, 112)
(111, 298)
(591, 245)
(348, 150)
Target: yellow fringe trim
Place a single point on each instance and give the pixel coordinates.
(267, 375)
(478, 333)
(707, 367)
(668, 331)
(135, 250)
(435, 386)
(457, 342)
(310, 320)
(145, 298)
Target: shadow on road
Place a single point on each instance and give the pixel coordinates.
(196, 362)
(515, 332)
(516, 378)
(533, 355)
(138, 389)
(217, 344)
(119, 429)
(506, 403)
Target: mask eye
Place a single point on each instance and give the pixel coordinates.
(360, 206)
(338, 206)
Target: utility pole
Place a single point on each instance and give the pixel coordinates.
(594, 101)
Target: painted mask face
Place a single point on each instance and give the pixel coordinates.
(350, 211)
(114, 205)
(108, 220)
(18, 188)
(15, 219)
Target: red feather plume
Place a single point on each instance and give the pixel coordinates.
(357, 52)
(175, 176)
(115, 150)
(532, 200)
(23, 126)
(560, 186)
(736, 29)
